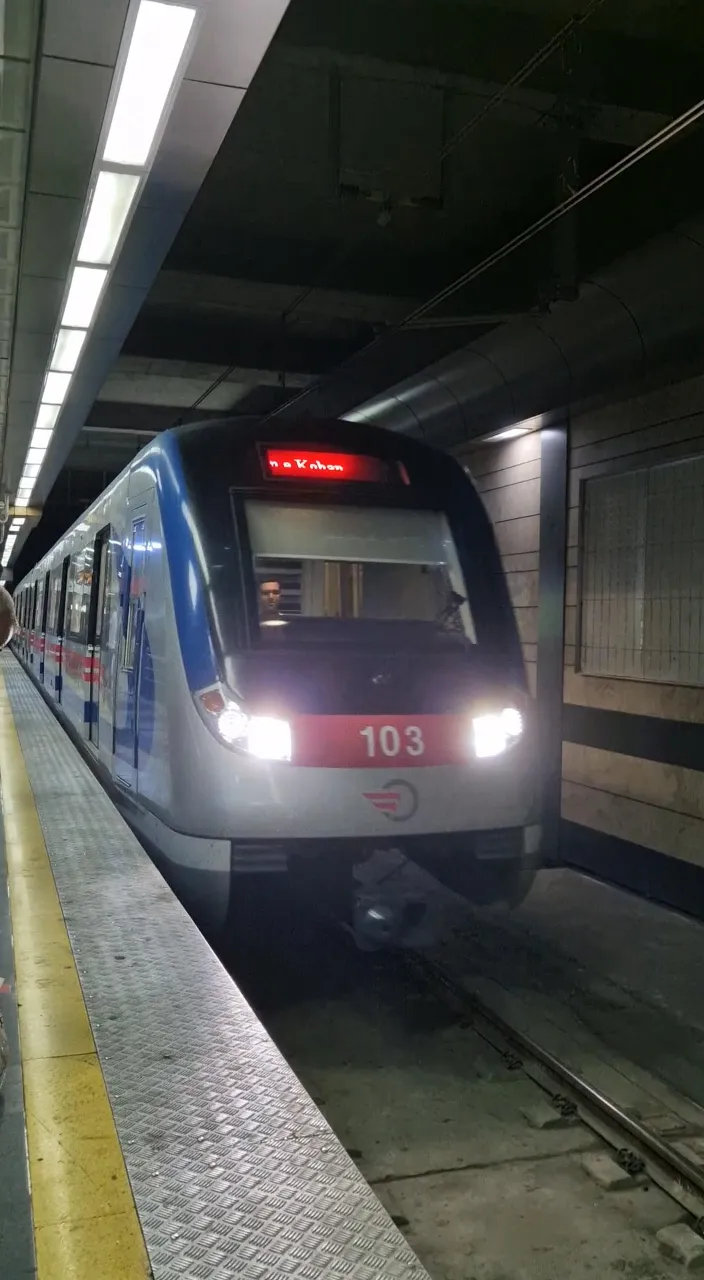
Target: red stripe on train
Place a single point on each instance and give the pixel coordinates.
(378, 742)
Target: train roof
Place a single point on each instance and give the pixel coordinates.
(304, 430)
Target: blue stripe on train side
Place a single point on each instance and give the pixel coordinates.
(185, 569)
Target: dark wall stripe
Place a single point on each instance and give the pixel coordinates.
(675, 742)
(551, 620)
(652, 875)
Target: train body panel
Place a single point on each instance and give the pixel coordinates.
(143, 627)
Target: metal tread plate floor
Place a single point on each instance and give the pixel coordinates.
(234, 1171)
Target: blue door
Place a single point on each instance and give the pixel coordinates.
(126, 733)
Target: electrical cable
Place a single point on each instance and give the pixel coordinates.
(665, 135)
(546, 51)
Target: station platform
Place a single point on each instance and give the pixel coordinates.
(148, 1124)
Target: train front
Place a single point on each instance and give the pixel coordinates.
(370, 692)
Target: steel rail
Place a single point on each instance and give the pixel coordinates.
(650, 1141)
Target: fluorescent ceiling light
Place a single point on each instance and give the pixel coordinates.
(35, 455)
(109, 210)
(21, 502)
(31, 471)
(41, 438)
(156, 48)
(46, 417)
(83, 296)
(55, 388)
(67, 349)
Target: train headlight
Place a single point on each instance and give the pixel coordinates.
(269, 739)
(492, 734)
(265, 737)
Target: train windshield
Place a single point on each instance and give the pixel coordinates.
(344, 571)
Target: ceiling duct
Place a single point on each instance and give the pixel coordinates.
(643, 312)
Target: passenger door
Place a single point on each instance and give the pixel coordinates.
(129, 659)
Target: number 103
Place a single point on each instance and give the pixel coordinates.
(387, 741)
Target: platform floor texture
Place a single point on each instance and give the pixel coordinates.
(234, 1170)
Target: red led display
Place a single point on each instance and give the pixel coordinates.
(309, 464)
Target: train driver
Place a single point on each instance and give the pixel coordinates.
(269, 601)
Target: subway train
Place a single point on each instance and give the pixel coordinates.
(288, 648)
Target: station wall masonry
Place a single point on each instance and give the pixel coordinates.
(507, 475)
(632, 791)
(633, 749)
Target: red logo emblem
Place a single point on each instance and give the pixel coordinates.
(398, 802)
(384, 801)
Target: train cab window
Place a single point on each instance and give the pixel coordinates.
(354, 564)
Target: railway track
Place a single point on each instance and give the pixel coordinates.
(494, 1157)
(639, 1150)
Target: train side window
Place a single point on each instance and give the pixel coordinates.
(61, 621)
(54, 598)
(39, 608)
(33, 607)
(136, 588)
(103, 553)
(80, 582)
(45, 603)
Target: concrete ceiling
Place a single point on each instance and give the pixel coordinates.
(334, 197)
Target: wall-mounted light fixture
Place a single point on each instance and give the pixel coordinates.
(512, 433)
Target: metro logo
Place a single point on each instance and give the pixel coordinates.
(398, 801)
(384, 801)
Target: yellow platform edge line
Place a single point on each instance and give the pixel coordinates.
(85, 1220)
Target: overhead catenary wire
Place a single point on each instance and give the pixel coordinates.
(687, 120)
(524, 72)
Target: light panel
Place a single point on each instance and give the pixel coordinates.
(157, 46)
(83, 296)
(109, 210)
(56, 388)
(47, 415)
(67, 349)
(511, 433)
(41, 438)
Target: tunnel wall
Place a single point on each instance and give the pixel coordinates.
(632, 789)
(507, 475)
